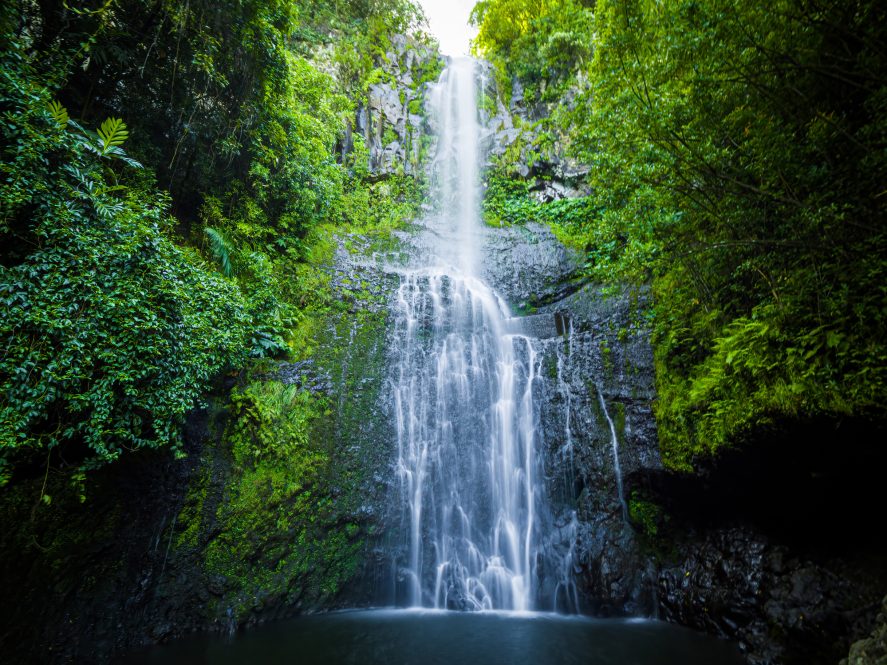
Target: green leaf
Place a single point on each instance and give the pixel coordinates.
(833, 339)
(59, 113)
(221, 249)
(112, 133)
(118, 153)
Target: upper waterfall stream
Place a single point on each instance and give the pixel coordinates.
(465, 410)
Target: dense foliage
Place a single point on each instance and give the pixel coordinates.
(538, 42)
(185, 234)
(737, 157)
(110, 330)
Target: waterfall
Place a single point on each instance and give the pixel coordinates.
(564, 356)
(614, 442)
(463, 382)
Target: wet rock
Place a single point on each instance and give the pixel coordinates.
(302, 374)
(161, 631)
(723, 576)
(526, 263)
(735, 584)
(553, 190)
(385, 100)
(555, 174)
(871, 650)
(390, 157)
(517, 96)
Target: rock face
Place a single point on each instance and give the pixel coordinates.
(598, 369)
(723, 551)
(512, 130)
(780, 607)
(392, 123)
(873, 649)
(766, 544)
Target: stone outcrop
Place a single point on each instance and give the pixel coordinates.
(393, 121)
(694, 550)
(512, 130)
(871, 650)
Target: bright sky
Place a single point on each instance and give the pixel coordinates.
(448, 20)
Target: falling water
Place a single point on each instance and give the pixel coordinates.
(614, 442)
(564, 355)
(463, 397)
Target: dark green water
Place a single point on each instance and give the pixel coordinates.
(406, 637)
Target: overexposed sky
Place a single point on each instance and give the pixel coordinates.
(448, 20)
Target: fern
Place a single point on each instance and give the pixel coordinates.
(112, 134)
(221, 249)
(106, 142)
(118, 153)
(59, 113)
(106, 210)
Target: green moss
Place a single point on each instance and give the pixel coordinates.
(272, 504)
(606, 357)
(617, 413)
(190, 518)
(428, 70)
(488, 104)
(276, 527)
(646, 515)
(524, 308)
(389, 136)
(270, 513)
(283, 529)
(568, 237)
(551, 367)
